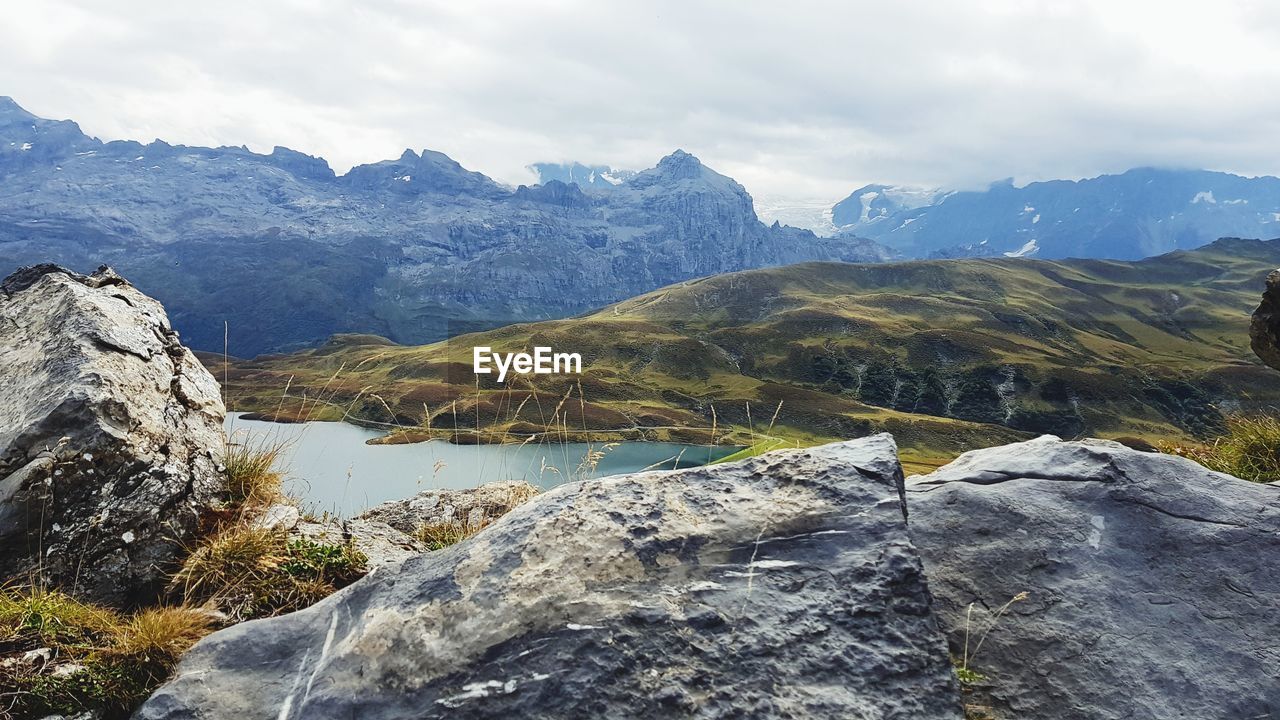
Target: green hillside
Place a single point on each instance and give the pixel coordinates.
(946, 354)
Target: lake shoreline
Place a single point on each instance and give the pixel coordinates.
(400, 435)
(346, 468)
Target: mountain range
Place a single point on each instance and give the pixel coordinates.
(287, 253)
(1136, 214)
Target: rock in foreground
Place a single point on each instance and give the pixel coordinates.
(110, 432)
(783, 586)
(1265, 330)
(1154, 583)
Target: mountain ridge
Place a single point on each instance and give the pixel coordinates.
(1142, 212)
(286, 252)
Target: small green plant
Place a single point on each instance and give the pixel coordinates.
(967, 676)
(313, 561)
(1249, 450)
(970, 678)
(964, 673)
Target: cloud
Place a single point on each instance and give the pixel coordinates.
(805, 100)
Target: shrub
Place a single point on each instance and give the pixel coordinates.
(1250, 449)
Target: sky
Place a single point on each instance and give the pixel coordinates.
(801, 101)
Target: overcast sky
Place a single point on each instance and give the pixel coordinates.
(800, 100)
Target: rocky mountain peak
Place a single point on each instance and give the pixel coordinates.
(11, 111)
(680, 165)
(414, 174)
(301, 164)
(554, 192)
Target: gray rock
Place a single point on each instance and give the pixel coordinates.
(1264, 332)
(278, 517)
(1154, 583)
(110, 434)
(470, 507)
(381, 544)
(782, 586)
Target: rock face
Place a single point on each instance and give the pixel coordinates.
(783, 586)
(1265, 329)
(110, 434)
(1154, 583)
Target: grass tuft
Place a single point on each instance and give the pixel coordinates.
(1250, 449)
(52, 618)
(161, 635)
(440, 535)
(248, 572)
(65, 656)
(252, 477)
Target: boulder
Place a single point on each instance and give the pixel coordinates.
(1153, 584)
(470, 507)
(1265, 329)
(381, 544)
(781, 586)
(110, 436)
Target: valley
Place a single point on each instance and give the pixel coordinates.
(948, 355)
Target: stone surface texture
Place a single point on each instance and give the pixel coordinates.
(781, 586)
(110, 436)
(1153, 583)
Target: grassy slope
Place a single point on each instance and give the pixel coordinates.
(1153, 349)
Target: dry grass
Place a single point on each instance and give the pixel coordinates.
(970, 679)
(247, 571)
(161, 635)
(65, 656)
(1249, 450)
(252, 476)
(437, 536)
(52, 618)
(440, 535)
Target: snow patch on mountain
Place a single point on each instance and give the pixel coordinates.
(1030, 248)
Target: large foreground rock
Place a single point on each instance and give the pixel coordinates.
(1154, 583)
(110, 433)
(783, 586)
(1265, 329)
